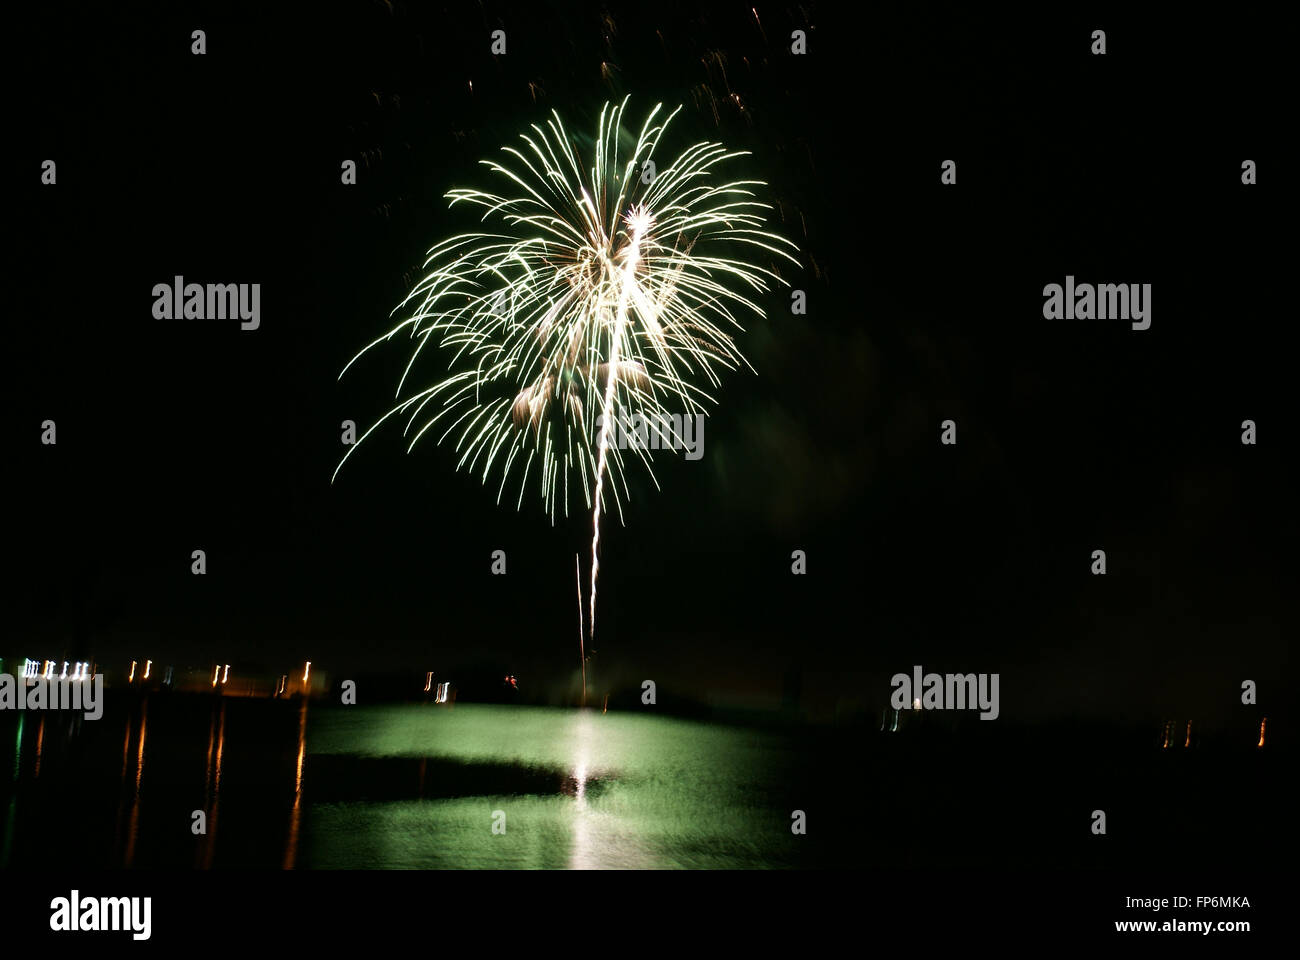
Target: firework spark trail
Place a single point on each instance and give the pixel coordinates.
(600, 293)
(639, 220)
(582, 649)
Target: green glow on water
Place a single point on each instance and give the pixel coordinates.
(644, 792)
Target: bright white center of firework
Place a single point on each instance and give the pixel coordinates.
(639, 219)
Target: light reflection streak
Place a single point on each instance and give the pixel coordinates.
(133, 831)
(295, 817)
(582, 856)
(212, 788)
(40, 740)
(601, 840)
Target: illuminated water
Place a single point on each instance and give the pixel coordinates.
(628, 791)
(404, 786)
(275, 784)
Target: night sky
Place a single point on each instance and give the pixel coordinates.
(925, 304)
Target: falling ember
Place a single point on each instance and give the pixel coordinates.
(1188, 741)
(131, 676)
(608, 285)
(148, 665)
(1261, 732)
(306, 673)
(226, 675)
(216, 672)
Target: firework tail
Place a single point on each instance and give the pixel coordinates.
(638, 221)
(582, 650)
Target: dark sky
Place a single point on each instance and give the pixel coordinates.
(925, 304)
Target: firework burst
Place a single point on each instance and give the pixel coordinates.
(610, 289)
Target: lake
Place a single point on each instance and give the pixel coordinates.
(300, 784)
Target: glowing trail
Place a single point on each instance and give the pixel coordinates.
(638, 220)
(582, 650)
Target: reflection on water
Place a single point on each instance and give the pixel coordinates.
(295, 817)
(212, 785)
(409, 786)
(290, 785)
(40, 741)
(583, 855)
(582, 789)
(600, 840)
(133, 832)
